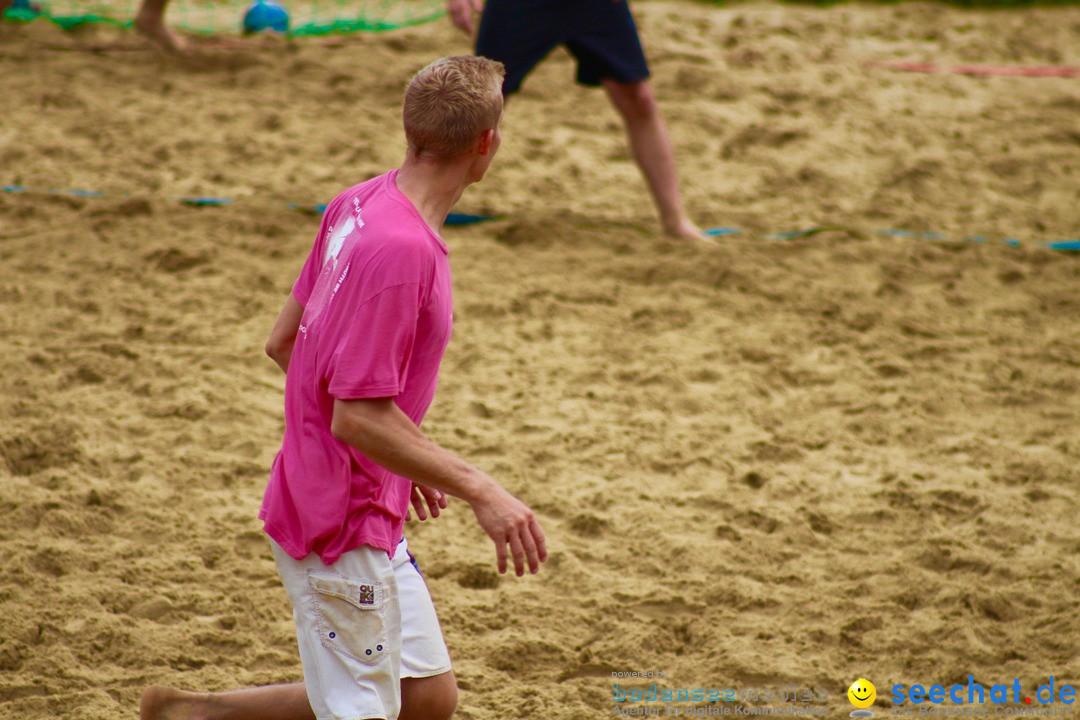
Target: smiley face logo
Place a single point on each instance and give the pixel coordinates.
(862, 693)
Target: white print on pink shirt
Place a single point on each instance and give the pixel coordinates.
(322, 294)
(357, 209)
(337, 239)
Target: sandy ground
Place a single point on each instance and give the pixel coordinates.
(774, 462)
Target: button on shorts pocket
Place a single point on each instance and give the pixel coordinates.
(351, 615)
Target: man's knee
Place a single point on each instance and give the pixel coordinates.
(431, 698)
(442, 703)
(634, 100)
(444, 707)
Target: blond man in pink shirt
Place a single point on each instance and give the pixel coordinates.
(361, 338)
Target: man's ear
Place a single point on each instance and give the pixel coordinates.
(484, 144)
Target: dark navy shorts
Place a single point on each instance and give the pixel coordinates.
(601, 34)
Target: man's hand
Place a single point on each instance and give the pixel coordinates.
(507, 521)
(461, 13)
(423, 494)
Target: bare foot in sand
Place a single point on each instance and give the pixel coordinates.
(151, 24)
(684, 229)
(162, 703)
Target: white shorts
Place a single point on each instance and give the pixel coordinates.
(362, 624)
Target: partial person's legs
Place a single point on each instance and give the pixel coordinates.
(430, 698)
(652, 149)
(150, 21)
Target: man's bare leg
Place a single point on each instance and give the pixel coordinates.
(150, 21)
(651, 146)
(430, 698)
(267, 702)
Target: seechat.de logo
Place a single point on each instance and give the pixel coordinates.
(973, 693)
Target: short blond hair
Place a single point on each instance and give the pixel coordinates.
(450, 103)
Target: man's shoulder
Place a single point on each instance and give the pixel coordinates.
(400, 252)
(393, 253)
(358, 193)
(377, 205)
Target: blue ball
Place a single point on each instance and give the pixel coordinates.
(266, 15)
(26, 6)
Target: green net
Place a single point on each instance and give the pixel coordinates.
(310, 17)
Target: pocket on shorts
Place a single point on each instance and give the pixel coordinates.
(350, 615)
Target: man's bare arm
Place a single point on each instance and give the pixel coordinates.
(382, 432)
(283, 336)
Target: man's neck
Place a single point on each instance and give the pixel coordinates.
(432, 187)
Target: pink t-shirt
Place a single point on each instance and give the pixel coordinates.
(377, 318)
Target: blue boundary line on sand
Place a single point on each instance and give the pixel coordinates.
(206, 201)
(808, 232)
(458, 219)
